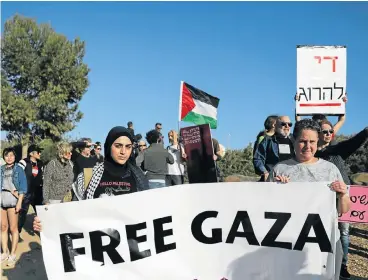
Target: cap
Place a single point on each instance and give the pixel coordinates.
(34, 148)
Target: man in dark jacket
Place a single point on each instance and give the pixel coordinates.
(155, 160)
(158, 128)
(274, 149)
(33, 169)
(82, 157)
(131, 128)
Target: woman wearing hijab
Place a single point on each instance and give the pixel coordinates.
(117, 175)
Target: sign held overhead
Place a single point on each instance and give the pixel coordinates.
(321, 80)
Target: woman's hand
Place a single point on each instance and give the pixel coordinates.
(18, 206)
(339, 187)
(37, 224)
(282, 179)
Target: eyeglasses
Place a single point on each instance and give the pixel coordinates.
(98, 149)
(326, 131)
(287, 123)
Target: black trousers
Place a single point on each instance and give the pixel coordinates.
(28, 200)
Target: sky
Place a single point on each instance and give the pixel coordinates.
(241, 52)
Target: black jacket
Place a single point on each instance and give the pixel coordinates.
(339, 152)
(33, 182)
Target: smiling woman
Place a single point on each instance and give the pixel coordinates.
(305, 167)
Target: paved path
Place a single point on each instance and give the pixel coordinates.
(30, 263)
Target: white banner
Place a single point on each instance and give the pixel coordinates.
(321, 80)
(233, 231)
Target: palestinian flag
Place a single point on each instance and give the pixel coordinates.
(197, 107)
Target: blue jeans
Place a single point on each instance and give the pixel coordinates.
(344, 237)
(155, 184)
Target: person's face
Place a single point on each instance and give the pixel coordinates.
(142, 146)
(87, 151)
(36, 155)
(9, 158)
(98, 150)
(325, 136)
(171, 137)
(67, 155)
(121, 149)
(159, 128)
(283, 126)
(306, 145)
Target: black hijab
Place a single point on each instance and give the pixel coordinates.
(111, 166)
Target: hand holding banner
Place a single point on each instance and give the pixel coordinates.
(204, 231)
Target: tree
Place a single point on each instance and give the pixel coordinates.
(43, 79)
(357, 162)
(238, 162)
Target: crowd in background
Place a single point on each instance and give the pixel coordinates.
(79, 171)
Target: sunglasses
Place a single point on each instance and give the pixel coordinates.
(142, 146)
(98, 149)
(286, 123)
(326, 131)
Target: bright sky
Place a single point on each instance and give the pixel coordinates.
(242, 52)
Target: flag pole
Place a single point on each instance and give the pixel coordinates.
(180, 103)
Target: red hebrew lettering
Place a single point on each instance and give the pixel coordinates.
(333, 61)
(333, 58)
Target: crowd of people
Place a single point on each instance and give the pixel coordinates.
(309, 154)
(79, 171)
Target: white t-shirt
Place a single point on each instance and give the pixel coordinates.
(177, 168)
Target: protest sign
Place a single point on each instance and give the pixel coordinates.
(205, 232)
(359, 206)
(321, 80)
(198, 146)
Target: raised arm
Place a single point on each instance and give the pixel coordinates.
(348, 147)
(339, 124)
(341, 119)
(297, 117)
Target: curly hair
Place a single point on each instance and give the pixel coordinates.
(62, 149)
(305, 124)
(153, 136)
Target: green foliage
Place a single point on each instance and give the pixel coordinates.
(43, 79)
(238, 162)
(49, 150)
(357, 162)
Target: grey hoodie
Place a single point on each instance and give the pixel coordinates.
(155, 160)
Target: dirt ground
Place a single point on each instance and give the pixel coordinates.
(30, 265)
